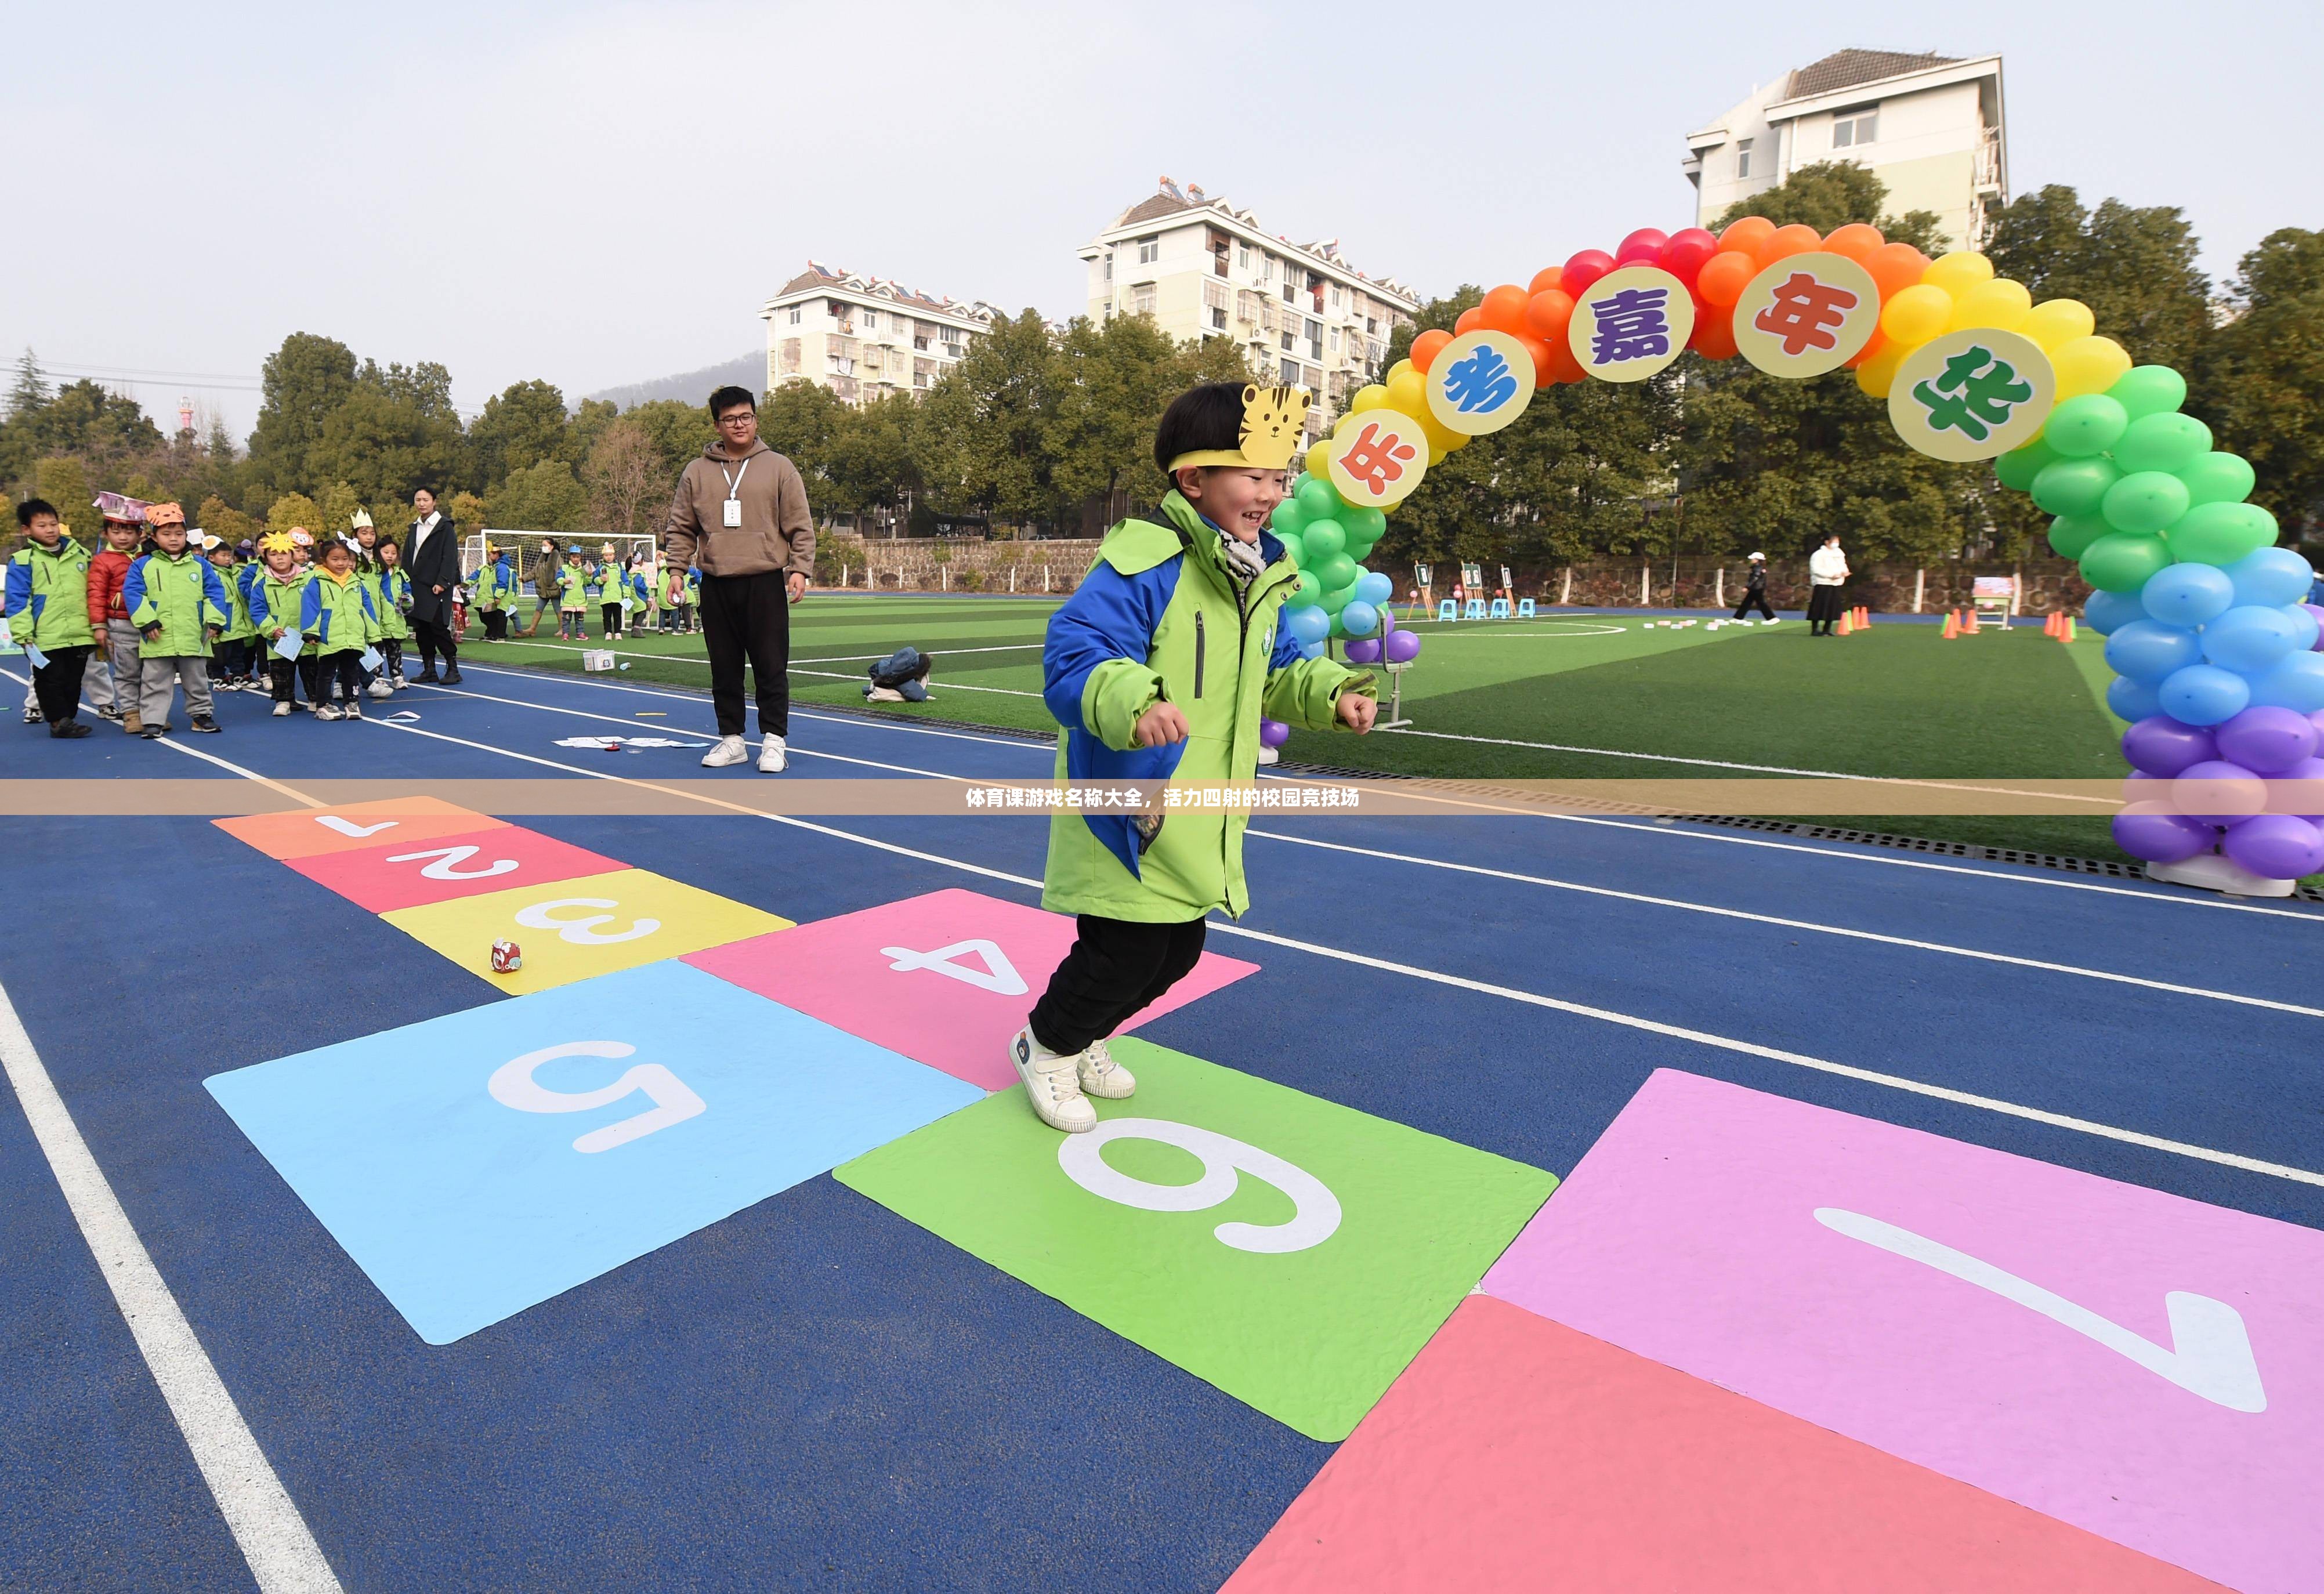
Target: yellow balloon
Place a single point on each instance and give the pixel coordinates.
(1875, 375)
(1436, 452)
(2088, 366)
(1959, 272)
(2000, 304)
(1460, 440)
(1399, 368)
(1437, 432)
(1915, 315)
(1368, 398)
(2057, 322)
(1407, 390)
(1319, 460)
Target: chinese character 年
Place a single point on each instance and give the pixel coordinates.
(1805, 314)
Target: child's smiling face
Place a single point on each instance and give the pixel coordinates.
(1236, 499)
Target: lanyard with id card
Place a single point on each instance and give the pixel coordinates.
(732, 512)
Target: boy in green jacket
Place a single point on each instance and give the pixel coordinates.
(178, 606)
(1159, 667)
(235, 649)
(46, 601)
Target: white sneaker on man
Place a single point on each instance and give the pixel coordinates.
(771, 756)
(1051, 1085)
(1101, 1076)
(728, 750)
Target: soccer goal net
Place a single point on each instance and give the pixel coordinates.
(535, 554)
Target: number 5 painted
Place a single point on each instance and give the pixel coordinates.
(1316, 1211)
(512, 1086)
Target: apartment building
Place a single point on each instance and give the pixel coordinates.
(1200, 268)
(1930, 125)
(864, 338)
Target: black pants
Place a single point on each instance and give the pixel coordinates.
(495, 625)
(434, 637)
(611, 613)
(317, 671)
(1116, 967)
(281, 672)
(56, 685)
(1823, 609)
(1754, 598)
(749, 615)
(231, 658)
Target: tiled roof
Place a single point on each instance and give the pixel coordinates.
(818, 275)
(1846, 68)
(1160, 205)
(1166, 203)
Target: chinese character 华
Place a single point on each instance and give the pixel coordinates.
(1482, 381)
(1973, 394)
(1805, 314)
(1378, 458)
(1631, 324)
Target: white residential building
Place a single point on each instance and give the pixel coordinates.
(1930, 125)
(1200, 268)
(864, 338)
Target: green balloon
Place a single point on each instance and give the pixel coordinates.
(1289, 516)
(2146, 501)
(1366, 523)
(1339, 598)
(1322, 539)
(1308, 591)
(2217, 478)
(1293, 549)
(2149, 390)
(1336, 572)
(2070, 536)
(2163, 443)
(1318, 498)
(2085, 426)
(2221, 533)
(2120, 562)
(2074, 487)
(2016, 469)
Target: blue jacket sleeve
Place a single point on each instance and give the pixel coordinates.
(1110, 616)
(20, 589)
(1287, 646)
(132, 587)
(310, 608)
(213, 589)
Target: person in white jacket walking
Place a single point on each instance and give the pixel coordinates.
(1827, 574)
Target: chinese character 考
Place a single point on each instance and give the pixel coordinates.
(1630, 324)
(1973, 394)
(1805, 314)
(1482, 381)
(1377, 458)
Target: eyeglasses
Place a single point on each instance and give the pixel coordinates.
(743, 419)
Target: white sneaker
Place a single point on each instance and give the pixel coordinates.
(1051, 1085)
(1267, 755)
(380, 689)
(728, 750)
(1101, 1076)
(324, 711)
(280, 709)
(772, 758)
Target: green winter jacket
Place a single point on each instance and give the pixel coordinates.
(338, 615)
(1159, 618)
(237, 625)
(575, 589)
(274, 605)
(391, 594)
(179, 592)
(47, 597)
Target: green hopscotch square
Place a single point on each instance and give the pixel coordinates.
(1312, 1336)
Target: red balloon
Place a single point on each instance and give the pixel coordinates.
(1687, 252)
(1643, 247)
(1584, 269)
(1714, 331)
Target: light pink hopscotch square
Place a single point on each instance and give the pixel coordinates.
(972, 968)
(2140, 1365)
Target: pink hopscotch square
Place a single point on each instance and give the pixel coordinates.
(2136, 1364)
(439, 868)
(946, 979)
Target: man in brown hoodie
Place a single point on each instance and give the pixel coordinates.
(741, 518)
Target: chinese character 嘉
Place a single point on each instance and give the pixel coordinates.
(1377, 458)
(1631, 324)
(1973, 394)
(1482, 381)
(1805, 314)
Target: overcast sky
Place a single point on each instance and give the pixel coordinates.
(604, 193)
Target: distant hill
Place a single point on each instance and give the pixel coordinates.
(694, 387)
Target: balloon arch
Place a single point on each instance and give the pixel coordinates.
(2216, 659)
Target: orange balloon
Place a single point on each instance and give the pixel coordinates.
(1855, 241)
(1714, 333)
(1795, 239)
(1469, 320)
(1546, 314)
(1504, 309)
(1895, 267)
(1546, 278)
(1424, 347)
(1870, 351)
(1544, 358)
(1725, 275)
(1564, 366)
(1746, 235)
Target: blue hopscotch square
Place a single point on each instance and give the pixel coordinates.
(480, 1163)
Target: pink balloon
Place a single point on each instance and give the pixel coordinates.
(1643, 247)
(1686, 254)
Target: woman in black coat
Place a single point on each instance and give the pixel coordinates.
(432, 556)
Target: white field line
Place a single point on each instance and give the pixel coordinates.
(192, 751)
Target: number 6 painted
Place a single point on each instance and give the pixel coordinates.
(1315, 1214)
(512, 1086)
(582, 932)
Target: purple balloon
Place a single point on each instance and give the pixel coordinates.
(2147, 832)
(1273, 732)
(1386, 618)
(2307, 769)
(2218, 793)
(1402, 646)
(1364, 650)
(2318, 611)
(2265, 739)
(2161, 745)
(2277, 846)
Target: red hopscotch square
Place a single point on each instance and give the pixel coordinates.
(414, 872)
(957, 1012)
(1516, 1453)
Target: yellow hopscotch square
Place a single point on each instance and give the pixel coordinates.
(574, 929)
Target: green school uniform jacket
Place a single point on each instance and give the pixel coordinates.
(337, 614)
(237, 625)
(47, 597)
(181, 594)
(274, 605)
(392, 597)
(575, 590)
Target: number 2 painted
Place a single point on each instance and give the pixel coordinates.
(512, 1086)
(1315, 1214)
(447, 860)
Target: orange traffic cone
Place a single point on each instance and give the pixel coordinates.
(1847, 625)
(2066, 628)
(1952, 626)
(1863, 614)
(2049, 624)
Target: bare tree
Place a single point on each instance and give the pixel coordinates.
(625, 477)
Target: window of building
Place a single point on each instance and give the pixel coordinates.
(794, 315)
(1290, 373)
(1743, 157)
(1242, 256)
(1267, 268)
(1314, 339)
(1335, 296)
(1290, 341)
(1149, 250)
(1142, 300)
(1109, 266)
(1335, 340)
(1851, 128)
(1106, 314)
(870, 320)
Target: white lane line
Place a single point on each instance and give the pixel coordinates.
(705, 663)
(1506, 994)
(1946, 948)
(267, 1528)
(195, 752)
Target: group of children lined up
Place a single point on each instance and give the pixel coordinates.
(155, 611)
(627, 594)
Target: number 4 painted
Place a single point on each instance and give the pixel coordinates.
(512, 1086)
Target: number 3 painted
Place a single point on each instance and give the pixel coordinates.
(1316, 1211)
(582, 932)
(512, 1086)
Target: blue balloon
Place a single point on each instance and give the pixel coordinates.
(1308, 623)
(2296, 683)
(2248, 638)
(1374, 588)
(1311, 650)
(2187, 595)
(2304, 626)
(1359, 618)
(2271, 577)
(2202, 695)
(2147, 651)
(2132, 700)
(2107, 611)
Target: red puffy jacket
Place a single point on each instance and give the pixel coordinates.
(106, 573)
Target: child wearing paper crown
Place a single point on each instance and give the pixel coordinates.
(276, 597)
(1159, 667)
(179, 605)
(336, 615)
